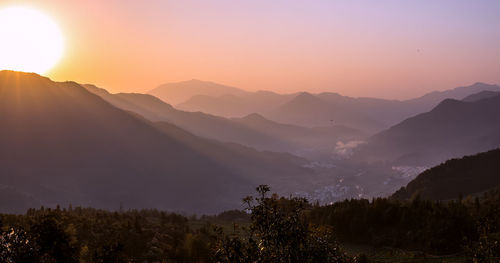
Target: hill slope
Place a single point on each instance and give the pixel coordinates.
(309, 110)
(468, 175)
(232, 106)
(481, 95)
(175, 93)
(430, 100)
(306, 109)
(452, 129)
(253, 130)
(63, 144)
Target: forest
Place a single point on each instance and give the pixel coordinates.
(270, 229)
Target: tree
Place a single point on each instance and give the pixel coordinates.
(487, 248)
(279, 232)
(15, 247)
(53, 243)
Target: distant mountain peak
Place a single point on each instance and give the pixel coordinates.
(305, 97)
(199, 81)
(482, 84)
(179, 92)
(254, 117)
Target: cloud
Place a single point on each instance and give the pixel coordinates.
(346, 149)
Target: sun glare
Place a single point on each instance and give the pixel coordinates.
(30, 41)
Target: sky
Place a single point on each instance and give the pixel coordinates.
(380, 48)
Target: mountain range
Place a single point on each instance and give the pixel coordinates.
(367, 114)
(62, 144)
(253, 130)
(66, 143)
(452, 129)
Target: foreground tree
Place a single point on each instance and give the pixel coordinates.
(279, 232)
(15, 247)
(487, 248)
(46, 241)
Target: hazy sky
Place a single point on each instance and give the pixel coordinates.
(383, 48)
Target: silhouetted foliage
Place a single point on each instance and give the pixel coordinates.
(272, 229)
(91, 235)
(487, 247)
(279, 232)
(421, 225)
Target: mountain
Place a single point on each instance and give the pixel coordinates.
(385, 112)
(178, 92)
(226, 105)
(481, 95)
(465, 176)
(231, 105)
(61, 144)
(430, 100)
(254, 130)
(452, 129)
(309, 110)
(316, 142)
(285, 172)
(370, 114)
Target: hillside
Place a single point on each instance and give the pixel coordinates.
(315, 142)
(230, 105)
(430, 100)
(452, 129)
(62, 144)
(178, 92)
(309, 110)
(369, 114)
(465, 176)
(253, 130)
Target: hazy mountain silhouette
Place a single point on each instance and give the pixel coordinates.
(452, 129)
(481, 95)
(175, 93)
(285, 172)
(231, 105)
(62, 144)
(316, 142)
(309, 110)
(430, 100)
(226, 105)
(385, 112)
(370, 114)
(465, 176)
(254, 130)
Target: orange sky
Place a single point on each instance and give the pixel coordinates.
(390, 48)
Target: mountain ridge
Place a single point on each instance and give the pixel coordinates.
(452, 129)
(454, 178)
(65, 145)
(257, 132)
(178, 92)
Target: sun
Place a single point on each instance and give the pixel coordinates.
(30, 41)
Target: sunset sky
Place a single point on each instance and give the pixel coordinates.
(381, 48)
